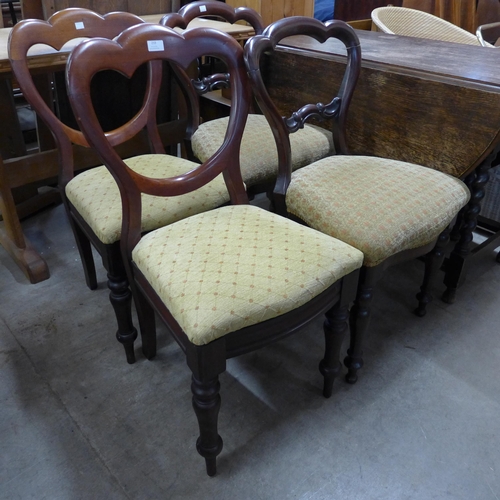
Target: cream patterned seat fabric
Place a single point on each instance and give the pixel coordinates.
(415, 23)
(215, 258)
(96, 197)
(258, 156)
(377, 205)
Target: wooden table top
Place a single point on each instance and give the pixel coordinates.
(438, 61)
(43, 56)
(422, 101)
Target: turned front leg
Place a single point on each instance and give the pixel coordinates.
(120, 297)
(206, 404)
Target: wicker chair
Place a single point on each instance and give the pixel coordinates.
(418, 24)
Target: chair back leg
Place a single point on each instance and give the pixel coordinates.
(359, 320)
(433, 262)
(335, 328)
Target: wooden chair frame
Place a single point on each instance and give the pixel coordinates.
(207, 361)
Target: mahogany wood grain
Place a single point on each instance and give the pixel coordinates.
(272, 10)
(488, 11)
(31, 9)
(459, 12)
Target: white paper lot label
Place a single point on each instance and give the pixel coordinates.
(80, 26)
(155, 45)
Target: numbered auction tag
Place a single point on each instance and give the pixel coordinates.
(203, 8)
(79, 26)
(155, 45)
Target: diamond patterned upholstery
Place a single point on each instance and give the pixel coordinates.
(258, 155)
(216, 259)
(96, 197)
(379, 206)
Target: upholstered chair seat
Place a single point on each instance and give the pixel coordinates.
(380, 206)
(258, 156)
(96, 197)
(215, 259)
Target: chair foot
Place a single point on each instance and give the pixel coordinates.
(423, 298)
(129, 352)
(211, 464)
(206, 404)
(149, 353)
(421, 309)
(353, 365)
(146, 316)
(329, 375)
(449, 295)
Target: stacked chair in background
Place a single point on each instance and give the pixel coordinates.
(259, 157)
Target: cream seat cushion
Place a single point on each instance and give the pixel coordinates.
(96, 197)
(379, 206)
(236, 266)
(258, 154)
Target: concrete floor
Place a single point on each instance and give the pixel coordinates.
(77, 422)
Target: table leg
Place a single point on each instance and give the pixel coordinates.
(12, 238)
(11, 234)
(456, 264)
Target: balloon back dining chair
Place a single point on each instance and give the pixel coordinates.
(234, 278)
(391, 210)
(92, 198)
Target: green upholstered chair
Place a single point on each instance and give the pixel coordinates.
(259, 160)
(390, 210)
(230, 280)
(92, 198)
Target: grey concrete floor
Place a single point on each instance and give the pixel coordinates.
(77, 422)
